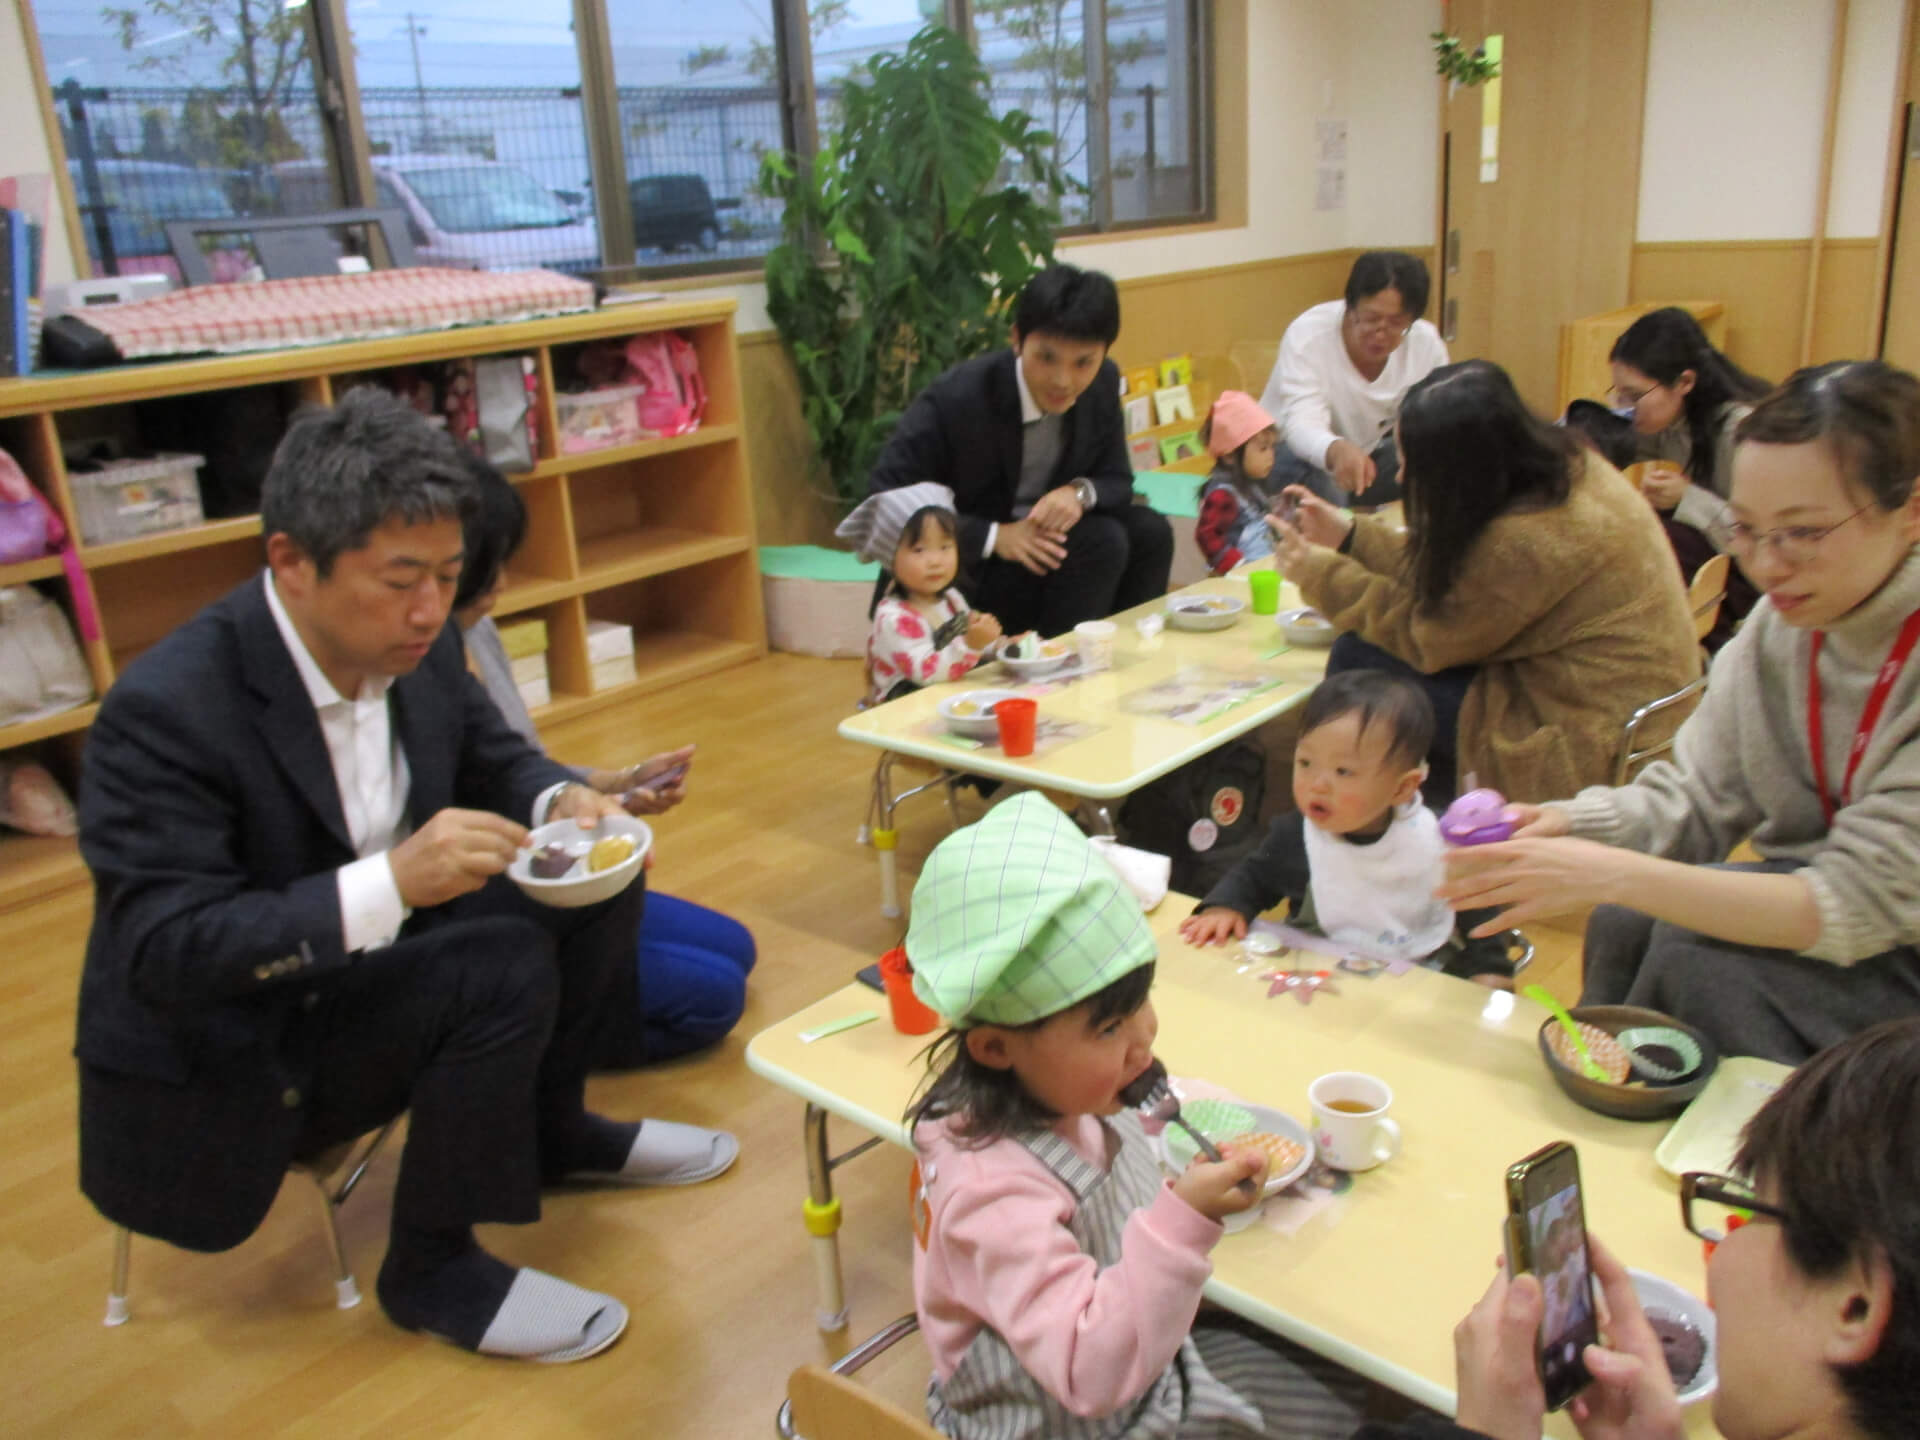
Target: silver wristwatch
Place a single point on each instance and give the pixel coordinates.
(1084, 492)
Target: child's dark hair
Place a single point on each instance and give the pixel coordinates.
(988, 1104)
(938, 516)
(493, 529)
(1400, 705)
(1072, 303)
(1233, 467)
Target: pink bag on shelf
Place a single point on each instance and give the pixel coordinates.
(676, 396)
(30, 527)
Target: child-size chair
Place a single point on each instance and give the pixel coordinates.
(1704, 597)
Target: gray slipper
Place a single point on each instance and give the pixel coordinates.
(551, 1321)
(666, 1152)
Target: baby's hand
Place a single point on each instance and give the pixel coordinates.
(982, 630)
(1215, 1190)
(1215, 925)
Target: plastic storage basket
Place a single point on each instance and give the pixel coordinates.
(121, 499)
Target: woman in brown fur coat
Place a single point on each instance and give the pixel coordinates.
(1532, 595)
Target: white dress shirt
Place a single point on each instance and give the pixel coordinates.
(370, 771)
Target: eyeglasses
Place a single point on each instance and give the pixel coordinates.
(1794, 544)
(1380, 324)
(1629, 399)
(1714, 1206)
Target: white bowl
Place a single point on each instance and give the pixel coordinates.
(1203, 612)
(970, 713)
(579, 886)
(1053, 654)
(1663, 1297)
(1303, 626)
(1177, 1148)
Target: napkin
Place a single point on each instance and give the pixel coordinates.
(1146, 874)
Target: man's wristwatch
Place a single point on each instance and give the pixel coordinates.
(1084, 492)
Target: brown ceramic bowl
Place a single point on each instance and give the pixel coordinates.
(1641, 1099)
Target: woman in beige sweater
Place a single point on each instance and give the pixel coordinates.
(1532, 595)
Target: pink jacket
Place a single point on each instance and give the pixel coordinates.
(998, 1254)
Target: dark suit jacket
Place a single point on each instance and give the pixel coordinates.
(211, 820)
(963, 431)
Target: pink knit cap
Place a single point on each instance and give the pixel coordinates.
(1236, 418)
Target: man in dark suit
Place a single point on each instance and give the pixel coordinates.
(1032, 443)
(297, 808)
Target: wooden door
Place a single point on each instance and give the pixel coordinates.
(1902, 343)
(1549, 238)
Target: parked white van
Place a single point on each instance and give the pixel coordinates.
(464, 212)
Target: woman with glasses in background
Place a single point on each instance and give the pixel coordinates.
(1684, 400)
(1816, 1295)
(1807, 745)
(1343, 367)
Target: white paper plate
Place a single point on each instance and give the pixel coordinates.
(1663, 1297)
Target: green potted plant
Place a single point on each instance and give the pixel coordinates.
(905, 240)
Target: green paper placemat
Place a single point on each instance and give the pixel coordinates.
(815, 562)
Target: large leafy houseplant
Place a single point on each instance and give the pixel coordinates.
(905, 241)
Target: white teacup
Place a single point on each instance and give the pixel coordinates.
(1095, 641)
(1351, 1128)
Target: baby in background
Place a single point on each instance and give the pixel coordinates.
(1236, 496)
(1058, 1272)
(923, 632)
(1360, 856)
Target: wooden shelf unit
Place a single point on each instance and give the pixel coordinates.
(658, 535)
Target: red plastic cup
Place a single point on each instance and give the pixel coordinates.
(1017, 719)
(910, 1016)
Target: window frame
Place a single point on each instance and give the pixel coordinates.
(349, 155)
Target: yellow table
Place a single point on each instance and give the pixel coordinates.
(1125, 749)
(1377, 1279)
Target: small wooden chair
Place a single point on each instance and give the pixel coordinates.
(335, 1172)
(1705, 596)
(823, 1403)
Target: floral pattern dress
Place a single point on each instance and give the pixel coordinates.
(907, 650)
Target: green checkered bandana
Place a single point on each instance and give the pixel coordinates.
(1017, 918)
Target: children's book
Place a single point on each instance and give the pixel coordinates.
(1144, 452)
(1141, 380)
(1139, 409)
(1175, 402)
(1183, 446)
(1176, 370)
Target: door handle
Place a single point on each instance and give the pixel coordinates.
(1450, 320)
(1453, 251)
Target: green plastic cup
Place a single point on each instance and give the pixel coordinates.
(1265, 585)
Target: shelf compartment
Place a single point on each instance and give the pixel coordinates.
(48, 568)
(61, 722)
(167, 542)
(692, 619)
(617, 455)
(147, 596)
(639, 554)
(34, 867)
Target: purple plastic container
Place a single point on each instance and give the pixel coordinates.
(1475, 819)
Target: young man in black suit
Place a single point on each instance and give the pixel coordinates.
(1032, 443)
(297, 809)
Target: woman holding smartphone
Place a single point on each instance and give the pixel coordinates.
(1816, 1297)
(1807, 745)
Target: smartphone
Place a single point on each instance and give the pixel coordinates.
(1288, 508)
(1547, 1235)
(869, 975)
(665, 780)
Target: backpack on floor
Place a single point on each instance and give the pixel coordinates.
(1204, 817)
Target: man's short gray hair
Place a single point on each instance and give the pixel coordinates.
(341, 473)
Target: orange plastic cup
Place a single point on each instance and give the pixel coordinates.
(1017, 719)
(910, 1015)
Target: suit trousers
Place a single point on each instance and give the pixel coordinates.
(1115, 560)
(482, 1019)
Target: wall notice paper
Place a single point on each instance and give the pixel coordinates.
(1490, 116)
(1330, 187)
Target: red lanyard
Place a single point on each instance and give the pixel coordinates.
(1869, 717)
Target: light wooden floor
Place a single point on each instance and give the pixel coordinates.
(718, 1276)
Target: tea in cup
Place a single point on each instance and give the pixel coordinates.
(1351, 1128)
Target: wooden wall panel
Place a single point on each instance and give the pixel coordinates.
(1202, 312)
(1764, 284)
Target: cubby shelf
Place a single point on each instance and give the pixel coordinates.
(657, 534)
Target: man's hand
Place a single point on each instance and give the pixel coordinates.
(982, 630)
(1058, 511)
(454, 853)
(652, 787)
(1026, 544)
(1494, 1368)
(1632, 1396)
(583, 805)
(1350, 466)
(1214, 925)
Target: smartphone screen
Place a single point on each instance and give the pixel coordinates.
(1544, 1196)
(869, 975)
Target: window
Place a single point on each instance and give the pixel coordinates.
(480, 117)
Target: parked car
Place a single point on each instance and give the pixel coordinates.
(139, 197)
(463, 212)
(672, 211)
